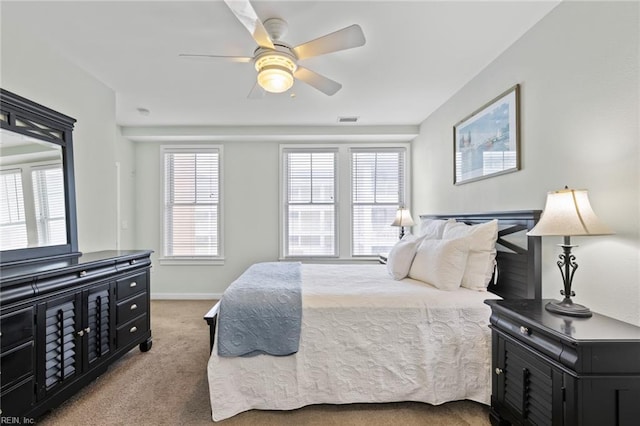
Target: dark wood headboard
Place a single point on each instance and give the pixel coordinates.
(518, 257)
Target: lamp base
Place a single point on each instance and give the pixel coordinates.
(567, 307)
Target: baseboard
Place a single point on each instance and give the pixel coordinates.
(186, 296)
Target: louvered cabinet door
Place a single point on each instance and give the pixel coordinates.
(529, 387)
(100, 309)
(59, 351)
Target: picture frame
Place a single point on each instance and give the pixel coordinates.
(486, 143)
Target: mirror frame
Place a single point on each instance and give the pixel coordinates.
(20, 115)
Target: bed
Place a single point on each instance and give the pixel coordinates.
(365, 337)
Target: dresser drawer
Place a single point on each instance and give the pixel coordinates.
(136, 263)
(128, 309)
(16, 364)
(16, 327)
(131, 285)
(18, 399)
(132, 331)
(71, 279)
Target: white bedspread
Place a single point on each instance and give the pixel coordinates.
(366, 338)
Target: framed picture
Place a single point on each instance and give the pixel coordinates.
(487, 142)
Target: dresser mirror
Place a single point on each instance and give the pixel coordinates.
(37, 195)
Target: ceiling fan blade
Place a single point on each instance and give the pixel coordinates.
(257, 92)
(243, 59)
(346, 38)
(320, 82)
(248, 17)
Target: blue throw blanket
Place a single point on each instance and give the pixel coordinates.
(261, 311)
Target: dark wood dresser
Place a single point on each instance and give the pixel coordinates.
(559, 370)
(63, 322)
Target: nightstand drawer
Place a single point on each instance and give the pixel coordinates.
(132, 331)
(130, 308)
(16, 327)
(531, 337)
(16, 364)
(131, 285)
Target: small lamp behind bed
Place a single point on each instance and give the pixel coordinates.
(568, 212)
(403, 218)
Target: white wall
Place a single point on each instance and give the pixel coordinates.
(579, 75)
(250, 209)
(125, 181)
(32, 70)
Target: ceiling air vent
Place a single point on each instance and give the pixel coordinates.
(347, 119)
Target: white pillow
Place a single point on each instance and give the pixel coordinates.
(401, 256)
(482, 251)
(440, 262)
(433, 228)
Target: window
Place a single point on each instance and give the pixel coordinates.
(13, 224)
(48, 194)
(192, 202)
(314, 178)
(377, 178)
(310, 203)
(32, 198)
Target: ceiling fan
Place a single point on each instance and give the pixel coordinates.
(276, 62)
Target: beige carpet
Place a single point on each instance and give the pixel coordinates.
(168, 386)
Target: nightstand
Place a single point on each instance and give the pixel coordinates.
(560, 370)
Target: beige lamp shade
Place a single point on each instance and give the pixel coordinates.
(568, 212)
(403, 218)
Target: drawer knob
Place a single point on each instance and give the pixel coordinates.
(87, 330)
(81, 333)
(83, 274)
(133, 329)
(498, 371)
(134, 307)
(524, 330)
(133, 262)
(133, 284)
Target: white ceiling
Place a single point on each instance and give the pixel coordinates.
(417, 55)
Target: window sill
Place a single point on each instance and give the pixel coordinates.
(330, 259)
(208, 261)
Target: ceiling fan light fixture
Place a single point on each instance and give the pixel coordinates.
(275, 79)
(276, 61)
(275, 72)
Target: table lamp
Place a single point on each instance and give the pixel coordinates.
(403, 218)
(568, 212)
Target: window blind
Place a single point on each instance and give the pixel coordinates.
(378, 188)
(310, 202)
(13, 225)
(48, 193)
(192, 202)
